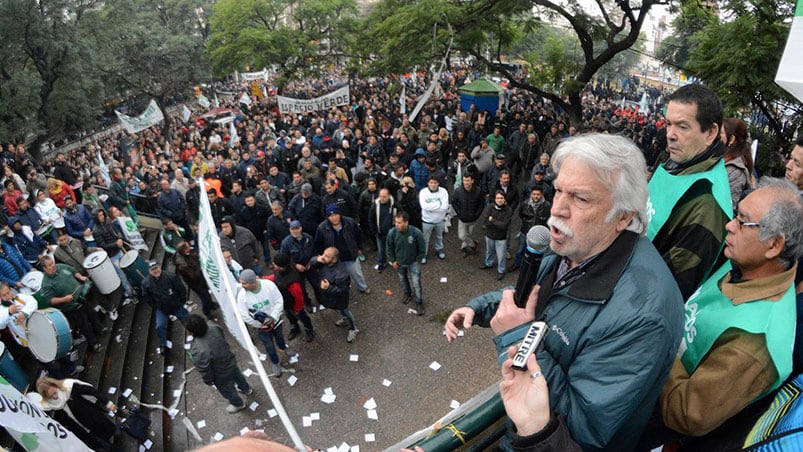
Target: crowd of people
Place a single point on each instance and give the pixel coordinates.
(300, 201)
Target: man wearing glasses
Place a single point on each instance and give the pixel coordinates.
(690, 194)
(740, 323)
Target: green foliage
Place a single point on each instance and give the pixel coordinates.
(297, 36)
(675, 48)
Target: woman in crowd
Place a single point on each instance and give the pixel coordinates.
(79, 407)
(496, 217)
(58, 190)
(738, 158)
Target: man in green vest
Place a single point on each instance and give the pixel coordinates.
(740, 324)
(689, 194)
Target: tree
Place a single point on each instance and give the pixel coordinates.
(294, 35)
(692, 17)
(401, 34)
(738, 59)
(152, 47)
(46, 86)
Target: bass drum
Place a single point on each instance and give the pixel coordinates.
(49, 335)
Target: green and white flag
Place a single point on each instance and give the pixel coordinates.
(790, 71)
(151, 116)
(31, 427)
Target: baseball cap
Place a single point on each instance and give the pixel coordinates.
(295, 224)
(152, 265)
(332, 208)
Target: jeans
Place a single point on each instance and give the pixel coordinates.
(268, 338)
(126, 285)
(380, 250)
(520, 251)
(410, 279)
(355, 270)
(437, 228)
(226, 384)
(346, 313)
(294, 317)
(465, 232)
(499, 247)
(161, 323)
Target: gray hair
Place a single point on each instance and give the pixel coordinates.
(619, 165)
(784, 218)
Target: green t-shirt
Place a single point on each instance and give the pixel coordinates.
(61, 283)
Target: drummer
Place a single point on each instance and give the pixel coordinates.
(108, 238)
(62, 289)
(14, 312)
(73, 252)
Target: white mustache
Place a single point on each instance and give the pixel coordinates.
(562, 227)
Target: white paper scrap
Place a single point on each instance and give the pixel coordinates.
(294, 359)
(253, 406)
(443, 279)
(190, 338)
(169, 344)
(455, 404)
(272, 413)
(201, 424)
(169, 370)
(386, 383)
(354, 358)
(187, 346)
(177, 393)
(461, 333)
(315, 416)
(328, 398)
(435, 365)
(172, 412)
(292, 380)
(148, 444)
(343, 447)
(127, 392)
(355, 448)
(263, 357)
(244, 431)
(248, 372)
(370, 404)
(370, 437)
(112, 390)
(218, 436)
(306, 421)
(372, 415)
(328, 390)
(141, 448)
(332, 449)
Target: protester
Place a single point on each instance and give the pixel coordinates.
(588, 292)
(166, 294)
(434, 201)
(405, 248)
(335, 283)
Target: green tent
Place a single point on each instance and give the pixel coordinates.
(483, 93)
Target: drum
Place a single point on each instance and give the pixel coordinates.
(32, 282)
(101, 270)
(12, 371)
(49, 335)
(134, 267)
(44, 230)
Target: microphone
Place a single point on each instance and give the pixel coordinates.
(537, 243)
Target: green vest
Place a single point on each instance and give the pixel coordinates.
(666, 190)
(709, 313)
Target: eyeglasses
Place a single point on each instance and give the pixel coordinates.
(744, 224)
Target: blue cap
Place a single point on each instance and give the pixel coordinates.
(295, 224)
(332, 208)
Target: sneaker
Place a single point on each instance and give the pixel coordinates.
(249, 392)
(367, 291)
(418, 309)
(407, 299)
(78, 370)
(277, 371)
(441, 255)
(294, 332)
(352, 335)
(231, 409)
(342, 322)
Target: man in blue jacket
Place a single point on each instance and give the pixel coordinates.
(613, 309)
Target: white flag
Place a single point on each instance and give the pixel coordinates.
(218, 277)
(185, 113)
(403, 100)
(217, 102)
(204, 102)
(233, 134)
(245, 99)
(104, 170)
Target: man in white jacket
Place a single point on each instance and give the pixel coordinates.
(261, 306)
(434, 201)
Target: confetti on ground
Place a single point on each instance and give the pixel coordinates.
(272, 413)
(169, 344)
(169, 370)
(218, 436)
(443, 279)
(370, 404)
(177, 393)
(370, 437)
(248, 372)
(292, 380)
(455, 404)
(372, 415)
(127, 392)
(315, 416)
(461, 333)
(306, 421)
(190, 338)
(263, 357)
(435, 365)
(294, 359)
(244, 431)
(343, 447)
(354, 358)
(148, 444)
(253, 406)
(112, 390)
(201, 424)
(386, 383)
